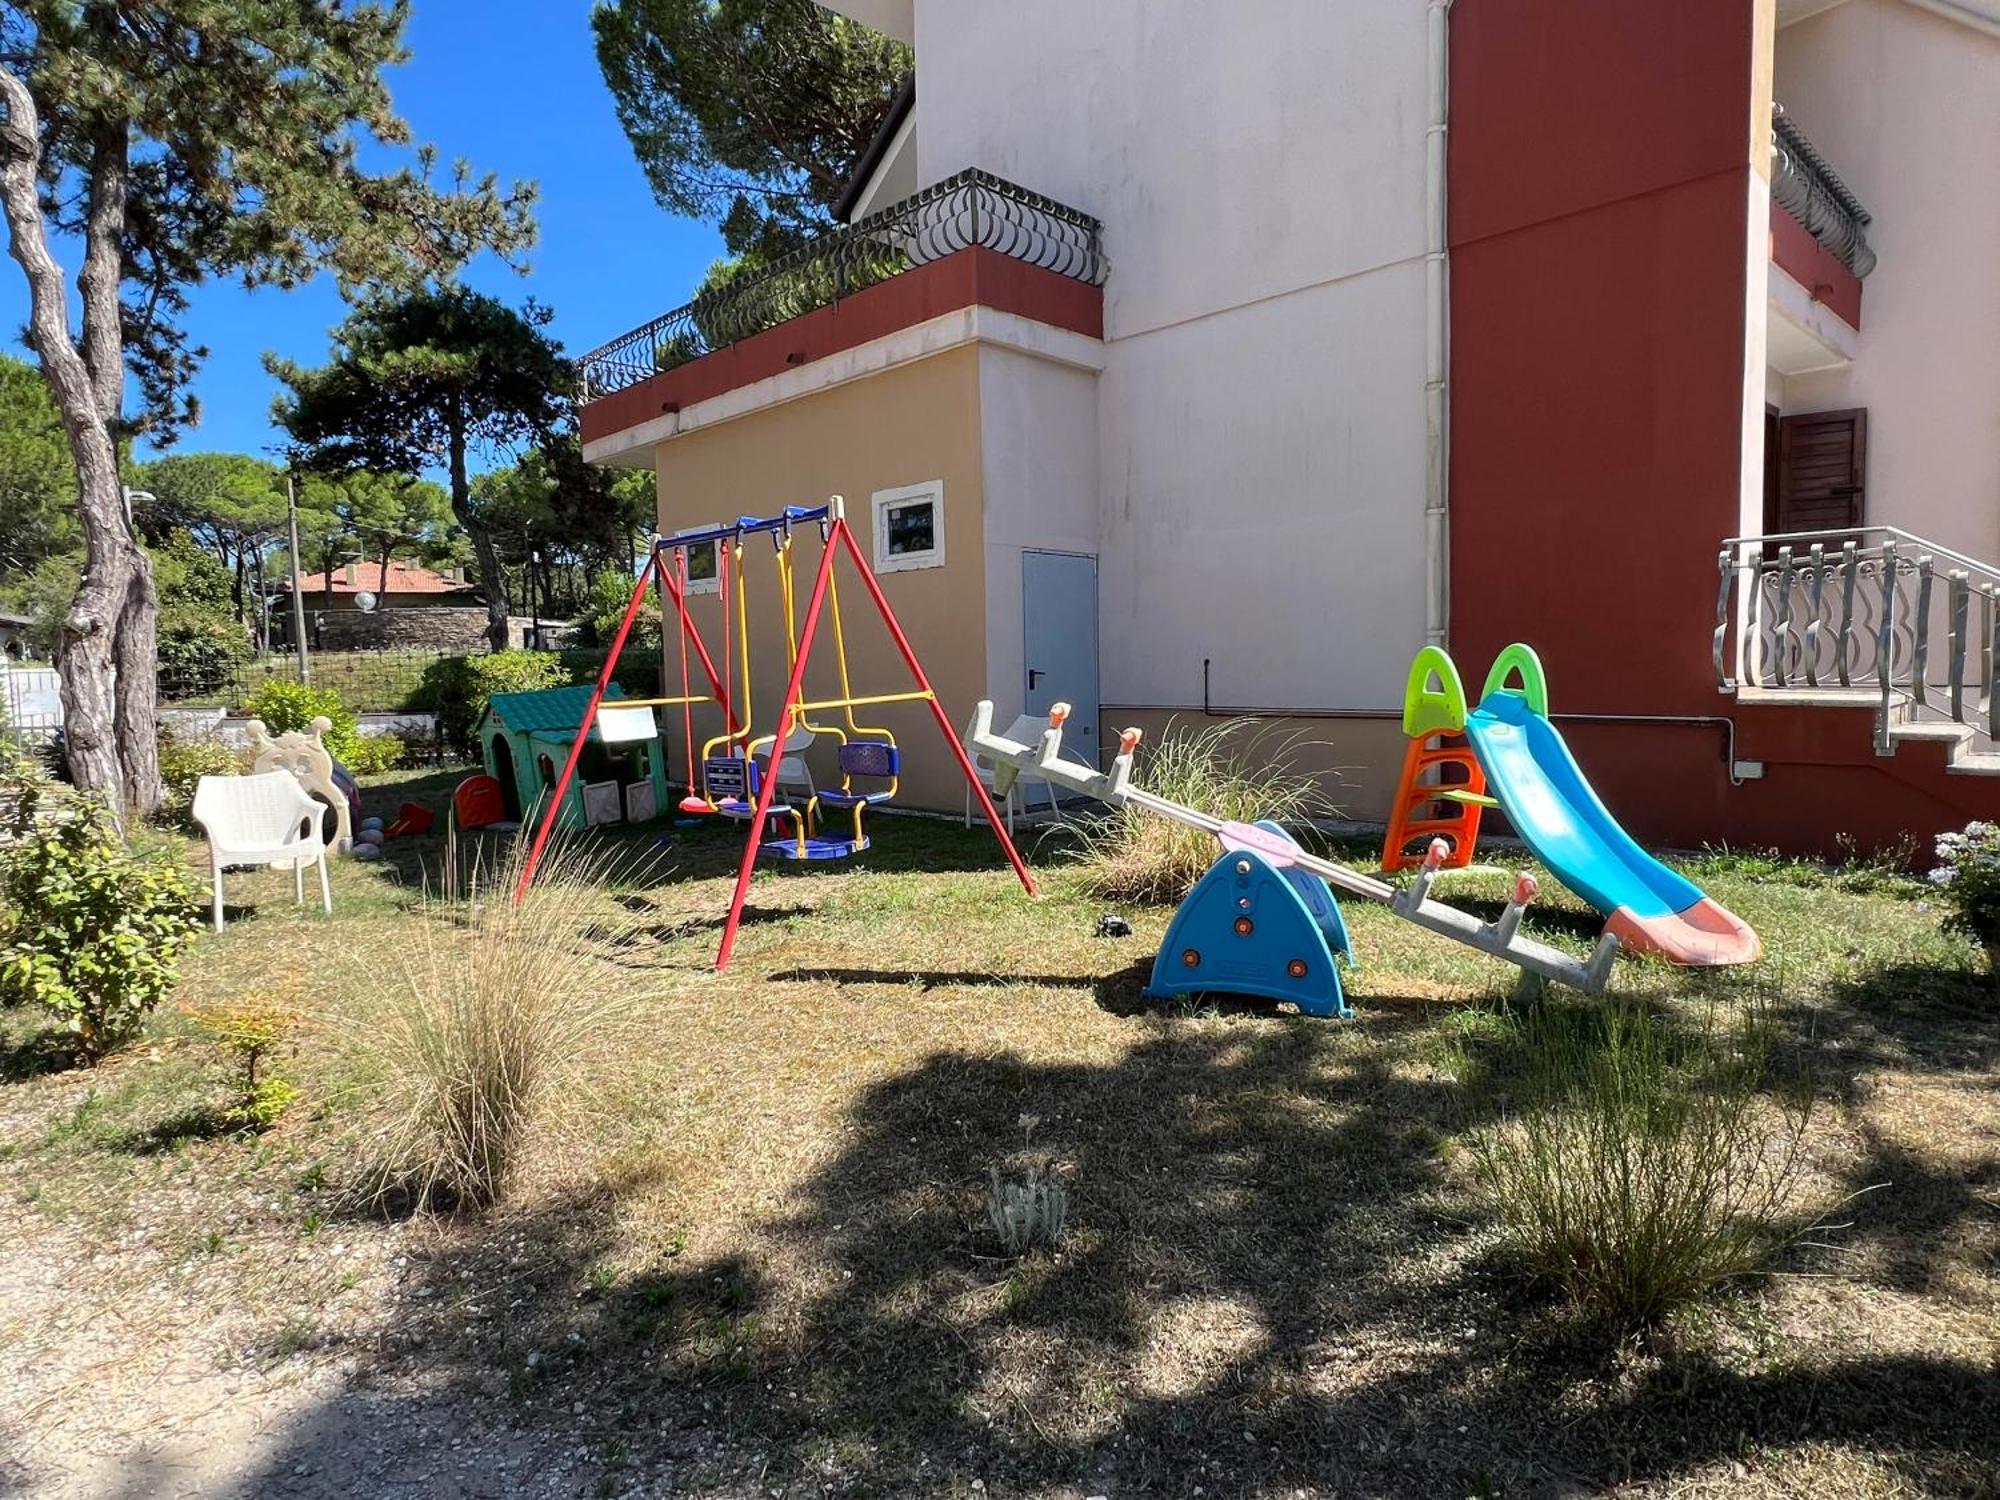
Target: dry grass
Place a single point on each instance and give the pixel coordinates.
(1237, 770)
(486, 1029)
(765, 1264)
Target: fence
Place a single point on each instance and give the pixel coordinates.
(30, 705)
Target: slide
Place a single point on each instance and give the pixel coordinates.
(1540, 787)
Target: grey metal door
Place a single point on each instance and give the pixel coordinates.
(1059, 629)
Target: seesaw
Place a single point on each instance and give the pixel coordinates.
(1261, 921)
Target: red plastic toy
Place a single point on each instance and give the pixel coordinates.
(479, 802)
(411, 817)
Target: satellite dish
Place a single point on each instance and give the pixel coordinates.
(365, 601)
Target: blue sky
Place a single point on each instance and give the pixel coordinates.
(512, 86)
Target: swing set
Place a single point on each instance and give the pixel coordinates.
(726, 778)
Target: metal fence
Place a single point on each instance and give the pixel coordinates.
(30, 704)
(973, 208)
(1812, 192)
(1875, 609)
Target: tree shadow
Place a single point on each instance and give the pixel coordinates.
(1272, 1280)
(39, 1053)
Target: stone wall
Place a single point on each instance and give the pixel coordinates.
(449, 629)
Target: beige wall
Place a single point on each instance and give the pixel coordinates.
(904, 426)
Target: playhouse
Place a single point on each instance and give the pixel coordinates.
(525, 740)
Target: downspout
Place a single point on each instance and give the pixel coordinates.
(1437, 333)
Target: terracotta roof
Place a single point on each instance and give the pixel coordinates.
(404, 578)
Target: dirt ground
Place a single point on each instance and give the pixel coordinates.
(756, 1262)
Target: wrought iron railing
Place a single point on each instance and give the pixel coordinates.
(1803, 184)
(1872, 608)
(973, 208)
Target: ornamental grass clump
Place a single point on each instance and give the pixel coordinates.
(1238, 771)
(489, 1032)
(1967, 879)
(1640, 1162)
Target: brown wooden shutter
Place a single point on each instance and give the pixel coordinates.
(1822, 463)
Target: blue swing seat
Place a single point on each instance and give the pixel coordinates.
(786, 846)
(877, 759)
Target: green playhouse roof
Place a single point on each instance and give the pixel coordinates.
(558, 710)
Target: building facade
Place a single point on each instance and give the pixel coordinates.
(1318, 333)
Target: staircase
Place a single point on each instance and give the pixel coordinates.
(1873, 618)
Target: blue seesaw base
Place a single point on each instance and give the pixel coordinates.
(1253, 928)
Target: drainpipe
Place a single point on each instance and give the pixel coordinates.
(1437, 333)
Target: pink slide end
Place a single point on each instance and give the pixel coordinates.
(1705, 936)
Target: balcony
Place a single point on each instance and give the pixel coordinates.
(973, 211)
(1809, 190)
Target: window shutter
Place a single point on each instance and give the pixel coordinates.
(1822, 462)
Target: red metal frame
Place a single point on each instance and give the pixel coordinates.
(838, 538)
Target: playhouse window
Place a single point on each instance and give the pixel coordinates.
(909, 527)
(702, 570)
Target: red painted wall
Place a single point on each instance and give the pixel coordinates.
(1814, 267)
(974, 277)
(1598, 182)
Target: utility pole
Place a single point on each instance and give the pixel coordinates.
(298, 596)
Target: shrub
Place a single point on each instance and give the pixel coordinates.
(1967, 876)
(456, 688)
(1233, 770)
(1642, 1163)
(182, 765)
(605, 605)
(485, 1034)
(246, 1029)
(372, 754)
(285, 706)
(88, 929)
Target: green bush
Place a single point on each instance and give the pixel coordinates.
(286, 706)
(88, 929)
(456, 688)
(372, 754)
(1640, 1161)
(182, 765)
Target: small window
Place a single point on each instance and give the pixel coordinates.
(909, 527)
(702, 572)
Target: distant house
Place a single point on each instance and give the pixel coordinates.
(405, 586)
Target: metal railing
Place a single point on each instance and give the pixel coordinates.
(973, 208)
(1812, 192)
(1870, 608)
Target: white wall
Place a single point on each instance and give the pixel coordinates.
(1905, 106)
(1038, 455)
(1259, 172)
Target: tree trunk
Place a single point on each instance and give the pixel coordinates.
(492, 575)
(138, 688)
(85, 655)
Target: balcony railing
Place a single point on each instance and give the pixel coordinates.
(973, 208)
(1803, 184)
(1874, 609)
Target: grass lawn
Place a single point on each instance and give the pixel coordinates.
(756, 1260)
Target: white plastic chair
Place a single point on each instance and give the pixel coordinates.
(267, 819)
(1028, 729)
(793, 771)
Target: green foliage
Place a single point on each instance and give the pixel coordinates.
(201, 641)
(749, 113)
(1234, 770)
(241, 128)
(37, 475)
(89, 930)
(1640, 1161)
(247, 1029)
(372, 754)
(610, 594)
(578, 517)
(286, 706)
(1967, 877)
(182, 765)
(456, 688)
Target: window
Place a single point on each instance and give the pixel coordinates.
(701, 564)
(909, 527)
